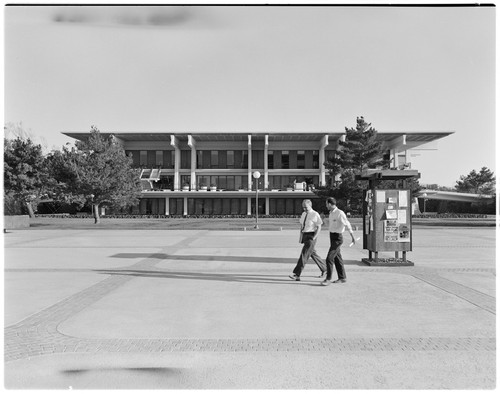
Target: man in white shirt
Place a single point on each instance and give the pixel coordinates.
(337, 223)
(310, 226)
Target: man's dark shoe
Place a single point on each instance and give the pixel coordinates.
(294, 277)
(340, 281)
(326, 282)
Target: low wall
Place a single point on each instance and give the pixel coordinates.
(17, 221)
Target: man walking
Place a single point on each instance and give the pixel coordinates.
(310, 226)
(337, 223)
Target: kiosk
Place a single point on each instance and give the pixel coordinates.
(387, 225)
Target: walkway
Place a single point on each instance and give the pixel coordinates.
(215, 309)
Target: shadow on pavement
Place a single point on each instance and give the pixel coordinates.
(153, 370)
(226, 277)
(244, 259)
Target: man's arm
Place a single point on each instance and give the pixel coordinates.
(348, 226)
(319, 222)
(317, 231)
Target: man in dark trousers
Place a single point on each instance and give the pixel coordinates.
(310, 226)
(337, 223)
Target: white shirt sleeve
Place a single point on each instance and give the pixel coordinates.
(346, 222)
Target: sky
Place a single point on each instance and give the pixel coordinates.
(244, 69)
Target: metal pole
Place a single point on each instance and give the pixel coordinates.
(256, 203)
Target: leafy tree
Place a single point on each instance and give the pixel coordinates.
(482, 182)
(17, 130)
(95, 171)
(25, 175)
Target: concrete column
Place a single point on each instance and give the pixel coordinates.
(266, 164)
(167, 206)
(177, 179)
(192, 145)
(249, 206)
(394, 158)
(322, 168)
(250, 178)
(267, 206)
(185, 206)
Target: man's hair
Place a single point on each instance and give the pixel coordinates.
(331, 200)
(307, 201)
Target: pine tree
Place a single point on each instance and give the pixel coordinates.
(359, 151)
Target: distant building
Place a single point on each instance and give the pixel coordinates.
(178, 169)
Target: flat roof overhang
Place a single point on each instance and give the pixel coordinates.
(414, 136)
(224, 194)
(453, 196)
(383, 175)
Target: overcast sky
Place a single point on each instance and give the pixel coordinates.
(168, 69)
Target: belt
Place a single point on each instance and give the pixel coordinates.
(311, 233)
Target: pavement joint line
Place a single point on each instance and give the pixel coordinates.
(477, 298)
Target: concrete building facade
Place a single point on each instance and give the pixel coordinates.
(208, 173)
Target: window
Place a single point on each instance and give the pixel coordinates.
(199, 159)
(301, 159)
(143, 157)
(315, 159)
(257, 159)
(230, 159)
(151, 158)
(244, 160)
(185, 159)
(203, 181)
(270, 159)
(169, 159)
(214, 159)
(159, 158)
(285, 159)
(176, 206)
(185, 179)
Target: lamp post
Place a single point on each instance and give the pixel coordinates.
(425, 200)
(256, 176)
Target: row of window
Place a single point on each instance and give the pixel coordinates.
(220, 206)
(207, 159)
(235, 182)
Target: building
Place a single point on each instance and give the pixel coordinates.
(206, 173)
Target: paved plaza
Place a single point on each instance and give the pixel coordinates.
(200, 309)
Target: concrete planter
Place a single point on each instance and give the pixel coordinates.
(16, 221)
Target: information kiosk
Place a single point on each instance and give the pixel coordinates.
(387, 225)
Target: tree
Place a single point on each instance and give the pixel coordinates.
(359, 151)
(25, 174)
(95, 171)
(482, 182)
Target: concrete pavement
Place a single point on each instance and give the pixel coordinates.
(109, 309)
